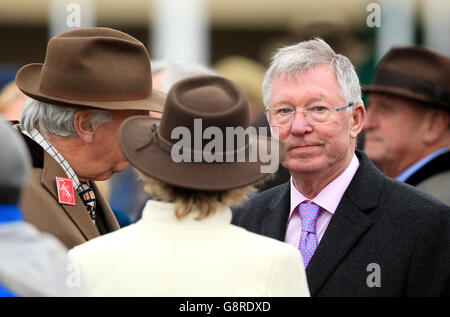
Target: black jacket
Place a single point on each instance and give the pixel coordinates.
(380, 223)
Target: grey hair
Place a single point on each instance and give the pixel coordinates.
(56, 120)
(304, 56)
(176, 70)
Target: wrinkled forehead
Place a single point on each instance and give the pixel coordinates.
(319, 83)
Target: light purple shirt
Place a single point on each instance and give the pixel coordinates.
(328, 200)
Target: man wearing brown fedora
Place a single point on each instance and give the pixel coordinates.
(360, 232)
(408, 119)
(184, 244)
(92, 80)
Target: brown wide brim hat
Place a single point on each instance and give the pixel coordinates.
(416, 73)
(219, 104)
(137, 142)
(93, 67)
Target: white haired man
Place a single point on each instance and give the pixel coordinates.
(92, 80)
(360, 233)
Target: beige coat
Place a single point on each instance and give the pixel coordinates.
(72, 225)
(163, 256)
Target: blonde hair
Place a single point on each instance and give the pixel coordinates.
(186, 199)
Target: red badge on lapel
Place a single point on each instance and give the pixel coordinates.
(65, 191)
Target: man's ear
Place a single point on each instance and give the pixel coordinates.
(436, 123)
(357, 120)
(84, 126)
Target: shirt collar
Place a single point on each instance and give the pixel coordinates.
(418, 165)
(331, 195)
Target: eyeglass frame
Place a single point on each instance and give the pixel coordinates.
(266, 112)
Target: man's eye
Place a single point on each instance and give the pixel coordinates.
(386, 107)
(284, 110)
(318, 109)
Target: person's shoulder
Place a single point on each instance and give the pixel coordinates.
(113, 240)
(438, 186)
(407, 200)
(262, 244)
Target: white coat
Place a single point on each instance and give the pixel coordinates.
(163, 256)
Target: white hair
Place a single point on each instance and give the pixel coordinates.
(176, 70)
(304, 56)
(56, 120)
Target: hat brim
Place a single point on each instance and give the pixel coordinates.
(396, 91)
(28, 81)
(135, 138)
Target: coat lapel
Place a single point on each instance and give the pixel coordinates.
(351, 220)
(274, 224)
(80, 217)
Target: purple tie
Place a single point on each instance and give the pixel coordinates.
(309, 212)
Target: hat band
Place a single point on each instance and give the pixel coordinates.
(79, 96)
(189, 154)
(386, 77)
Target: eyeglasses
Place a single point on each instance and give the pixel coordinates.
(280, 116)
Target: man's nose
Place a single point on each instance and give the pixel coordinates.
(300, 125)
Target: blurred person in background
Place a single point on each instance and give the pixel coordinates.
(184, 244)
(360, 233)
(71, 126)
(126, 194)
(31, 263)
(11, 101)
(248, 75)
(408, 119)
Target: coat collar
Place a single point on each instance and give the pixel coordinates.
(275, 223)
(50, 170)
(437, 165)
(163, 213)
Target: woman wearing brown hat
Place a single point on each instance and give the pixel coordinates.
(184, 245)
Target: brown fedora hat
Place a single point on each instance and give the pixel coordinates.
(93, 67)
(198, 106)
(414, 72)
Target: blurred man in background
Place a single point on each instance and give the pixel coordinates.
(408, 119)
